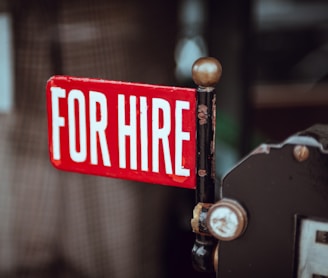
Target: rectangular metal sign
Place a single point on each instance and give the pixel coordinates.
(123, 130)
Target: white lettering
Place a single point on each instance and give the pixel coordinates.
(81, 155)
(144, 133)
(125, 130)
(161, 133)
(179, 137)
(133, 127)
(97, 127)
(57, 121)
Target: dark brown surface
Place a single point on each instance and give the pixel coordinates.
(274, 188)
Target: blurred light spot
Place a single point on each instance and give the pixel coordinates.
(188, 50)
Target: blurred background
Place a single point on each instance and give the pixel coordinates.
(274, 55)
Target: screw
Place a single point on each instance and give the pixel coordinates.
(301, 153)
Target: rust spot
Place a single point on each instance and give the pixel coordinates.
(202, 114)
(202, 173)
(215, 220)
(214, 113)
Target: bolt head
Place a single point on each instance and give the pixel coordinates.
(301, 153)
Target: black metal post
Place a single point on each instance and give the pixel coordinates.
(206, 72)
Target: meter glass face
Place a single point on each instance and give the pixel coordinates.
(224, 222)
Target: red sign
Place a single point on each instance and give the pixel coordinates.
(122, 130)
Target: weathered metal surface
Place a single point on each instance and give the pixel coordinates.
(206, 73)
(277, 186)
(198, 222)
(205, 148)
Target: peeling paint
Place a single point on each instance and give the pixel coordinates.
(202, 114)
(202, 172)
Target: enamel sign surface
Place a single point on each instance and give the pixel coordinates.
(123, 130)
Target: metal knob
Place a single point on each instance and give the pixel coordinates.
(226, 220)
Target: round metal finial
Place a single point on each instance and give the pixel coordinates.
(206, 72)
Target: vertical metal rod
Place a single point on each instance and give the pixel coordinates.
(206, 72)
(205, 145)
